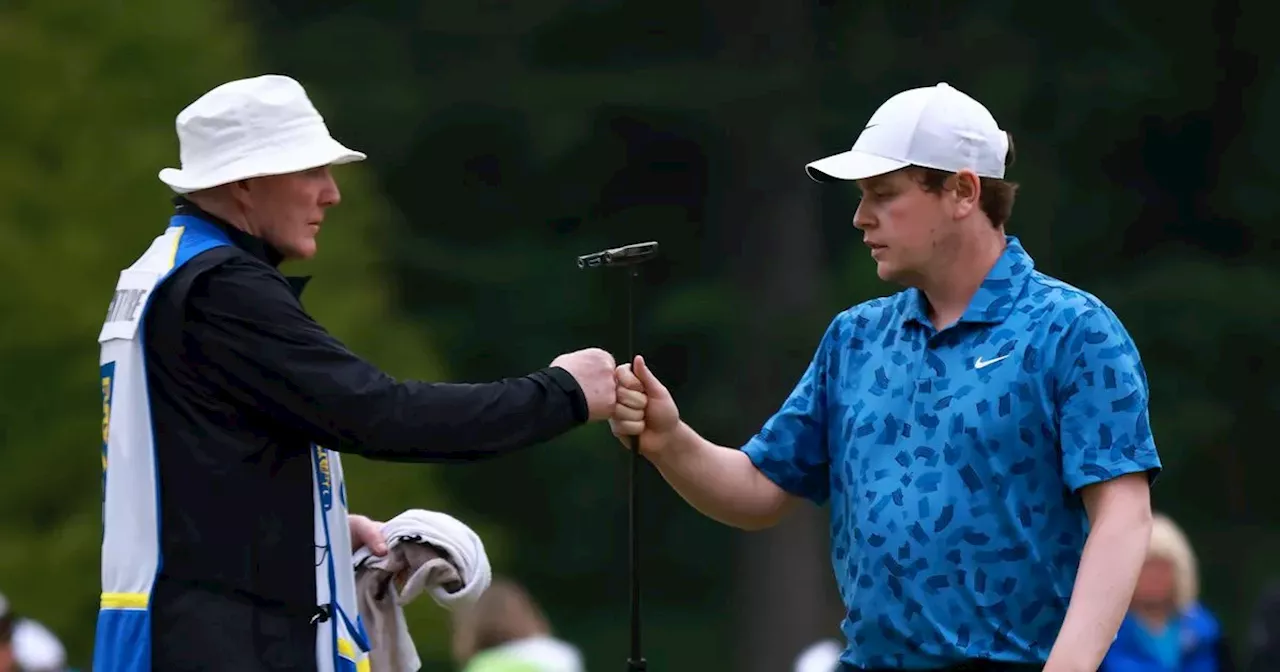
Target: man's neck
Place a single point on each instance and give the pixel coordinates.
(951, 289)
(219, 208)
(257, 246)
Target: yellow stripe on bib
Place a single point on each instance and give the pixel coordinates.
(124, 600)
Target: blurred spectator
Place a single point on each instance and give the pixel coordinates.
(36, 648)
(1264, 632)
(821, 656)
(7, 663)
(1166, 628)
(506, 631)
(28, 646)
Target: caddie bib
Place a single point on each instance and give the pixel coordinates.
(131, 556)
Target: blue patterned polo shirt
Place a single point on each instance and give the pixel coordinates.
(953, 461)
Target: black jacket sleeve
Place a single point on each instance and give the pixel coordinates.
(251, 331)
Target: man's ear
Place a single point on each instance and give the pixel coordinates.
(968, 191)
(239, 191)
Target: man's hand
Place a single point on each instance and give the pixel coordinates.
(366, 532)
(644, 408)
(593, 369)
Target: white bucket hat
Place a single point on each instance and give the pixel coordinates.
(932, 127)
(250, 128)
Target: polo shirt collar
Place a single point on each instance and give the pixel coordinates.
(995, 298)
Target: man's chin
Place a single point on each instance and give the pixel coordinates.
(301, 252)
(888, 272)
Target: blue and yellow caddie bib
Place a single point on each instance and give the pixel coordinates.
(131, 556)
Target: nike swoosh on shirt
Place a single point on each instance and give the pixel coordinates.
(979, 363)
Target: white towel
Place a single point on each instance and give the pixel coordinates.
(441, 556)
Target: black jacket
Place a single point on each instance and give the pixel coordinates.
(242, 381)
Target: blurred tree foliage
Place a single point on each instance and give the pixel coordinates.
(92, 92)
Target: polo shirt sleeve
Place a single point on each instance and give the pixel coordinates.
(791, 448)
(1102, 395)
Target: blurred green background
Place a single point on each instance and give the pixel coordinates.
(506, 138)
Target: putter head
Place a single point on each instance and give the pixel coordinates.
(628, 255)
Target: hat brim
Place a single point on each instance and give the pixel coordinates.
(330, 153)
(852, 165)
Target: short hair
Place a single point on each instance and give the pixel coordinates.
(997, 196)
(1169, 543)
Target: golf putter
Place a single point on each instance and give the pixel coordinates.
(629, 257)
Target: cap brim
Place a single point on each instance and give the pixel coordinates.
(331, 153)
(852, 165)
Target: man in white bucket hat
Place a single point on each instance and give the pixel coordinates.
(971, 432)
(265, 127)
(227, 541)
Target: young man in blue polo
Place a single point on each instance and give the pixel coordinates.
(982, 435)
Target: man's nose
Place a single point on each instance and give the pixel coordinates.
(862, 219)
(330, 195)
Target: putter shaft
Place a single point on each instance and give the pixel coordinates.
(629, 257)
(636, 662)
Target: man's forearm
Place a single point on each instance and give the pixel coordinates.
(721, 483)
(447, 422)
(1109, 567)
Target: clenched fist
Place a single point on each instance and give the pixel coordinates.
(593, 369)
(645, 408)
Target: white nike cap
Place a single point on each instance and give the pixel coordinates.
(933, 127)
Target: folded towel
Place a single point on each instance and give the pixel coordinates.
(434, 553)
